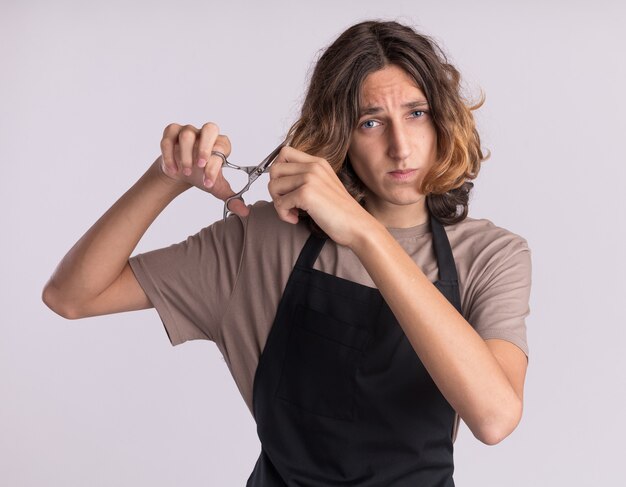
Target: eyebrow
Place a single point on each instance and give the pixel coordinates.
(372, 110)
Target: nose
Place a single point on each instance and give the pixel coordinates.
(399, 147)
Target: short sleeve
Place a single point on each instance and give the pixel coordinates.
(190, 283)
(501, 302)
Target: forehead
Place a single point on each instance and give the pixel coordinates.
(389, 82)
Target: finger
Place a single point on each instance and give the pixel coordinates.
(289, 154)
(294, 216)
(281, 169)
(286, 184)
(292, 161)
(222, 144)
(206, 140)
(168, 141)
(221, 188)
(289, 185)
(186, 140)
(285, 209)
(213, 167)
(223, 191)
(213, 171)
(239, 207)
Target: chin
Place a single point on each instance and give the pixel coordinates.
(406, 200)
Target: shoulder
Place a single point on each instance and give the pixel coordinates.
(267, 232)
(482, 236)
(485, 252)
(266, 223)
(495, 274)
(271, 248)
(236, 232)
(263, 212)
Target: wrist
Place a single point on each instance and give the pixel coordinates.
(170, 185)
(366, 232)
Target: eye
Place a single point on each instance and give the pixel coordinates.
(419, 111)
(368, 124)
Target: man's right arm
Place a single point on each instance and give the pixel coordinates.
(95, 278)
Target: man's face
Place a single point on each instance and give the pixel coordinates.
(394, 142)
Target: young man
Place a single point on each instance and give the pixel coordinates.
(358, 327)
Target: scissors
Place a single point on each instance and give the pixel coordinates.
(253, 173)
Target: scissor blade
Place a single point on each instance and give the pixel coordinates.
(265, 164)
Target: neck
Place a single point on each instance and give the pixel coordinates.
(400, 216)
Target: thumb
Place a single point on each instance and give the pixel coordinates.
(238, 207)
(223, 191)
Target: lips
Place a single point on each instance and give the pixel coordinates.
(402, 174)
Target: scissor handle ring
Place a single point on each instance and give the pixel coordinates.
(237, 196)
(221, 155)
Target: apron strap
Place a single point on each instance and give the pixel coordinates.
(443, 251)
(310, 251)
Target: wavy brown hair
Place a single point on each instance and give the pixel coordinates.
(331, 108)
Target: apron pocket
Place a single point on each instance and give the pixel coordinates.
(320, 365)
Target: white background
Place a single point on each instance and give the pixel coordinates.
(85, 93)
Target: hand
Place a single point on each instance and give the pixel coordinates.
(186, 157)
(299, 180)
